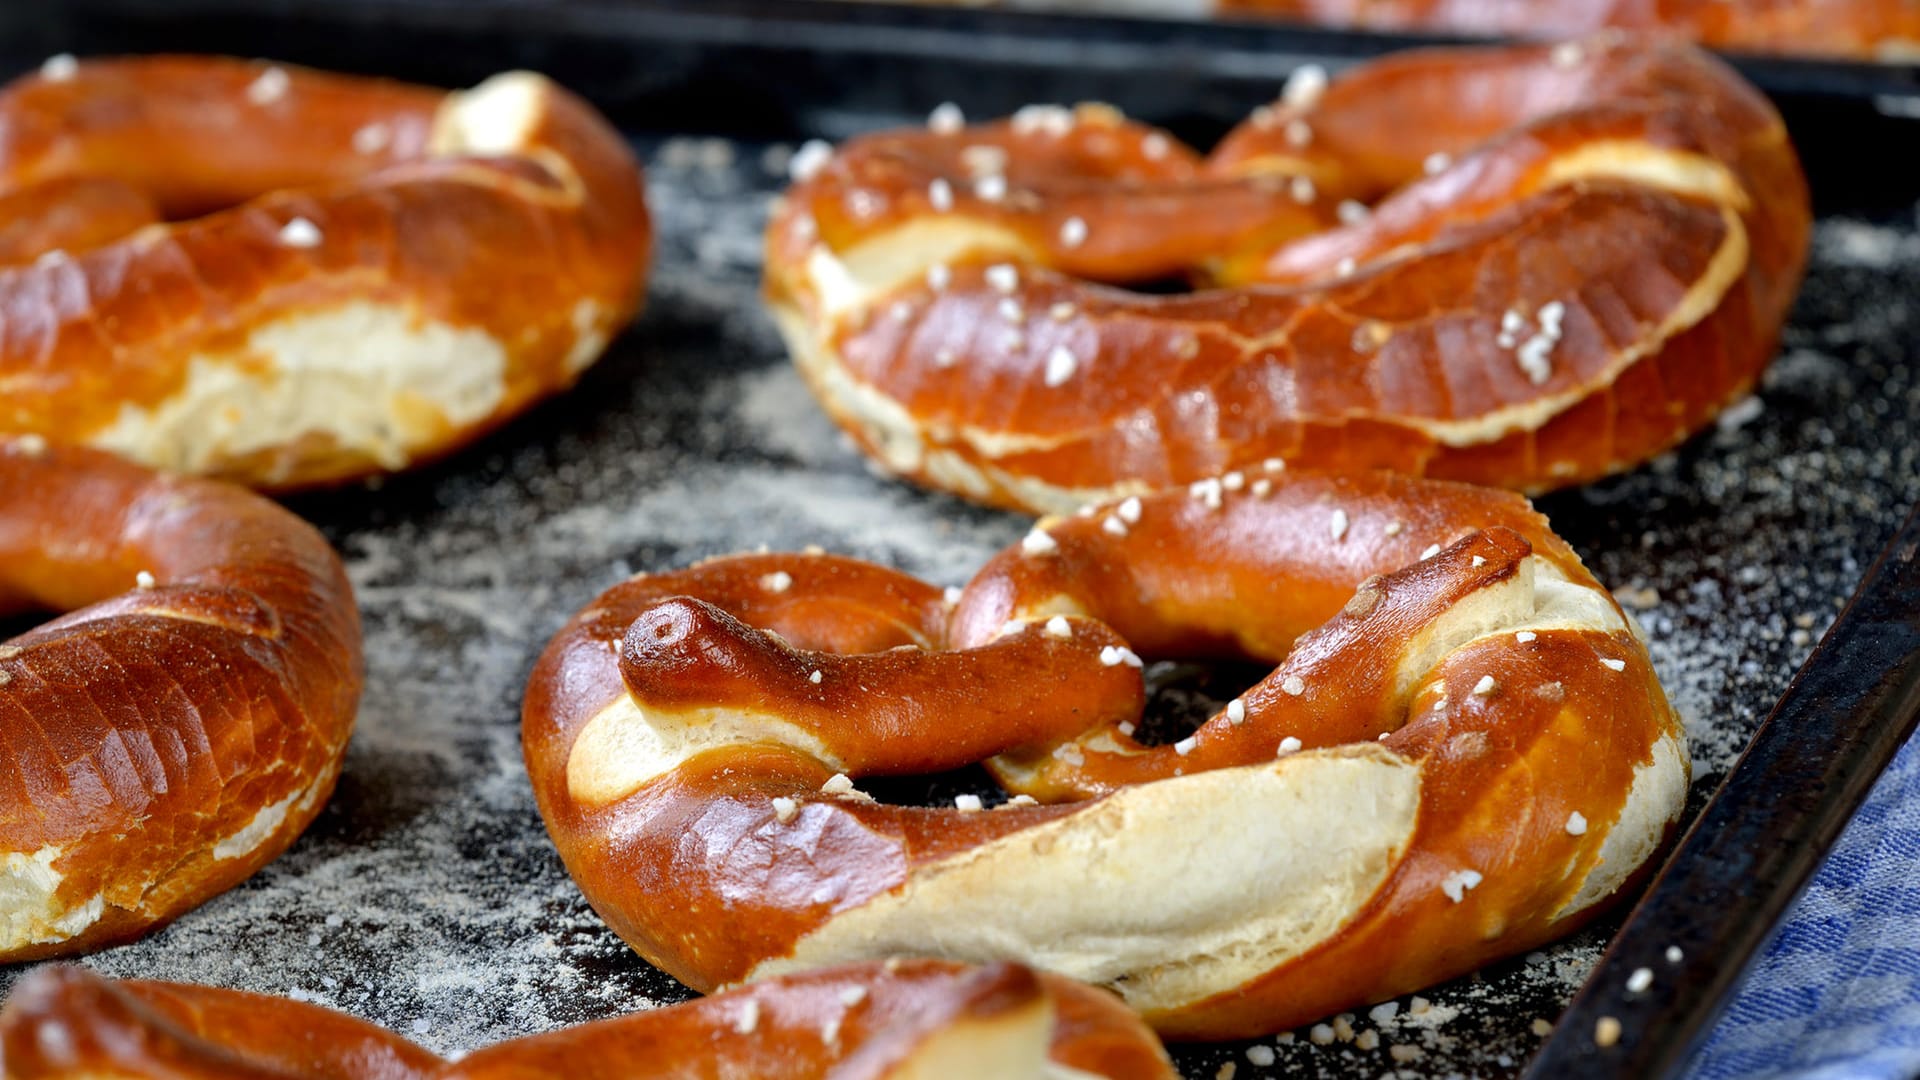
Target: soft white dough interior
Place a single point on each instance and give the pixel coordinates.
(379, 378)
(29, 914)
(876, 267)
(1292, 849)
(268, 820)
(624, 746)
(498, 116)
(1012, 1044)
(1654, 802)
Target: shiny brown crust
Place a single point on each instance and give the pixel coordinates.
(211, 258)
(1442, 658)
(180, 726)
(1851, 29)
(861, 1022)
(1599, 262)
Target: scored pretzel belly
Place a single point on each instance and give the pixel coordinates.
(288, 278)
(185, 721)
(1462, 752)
(913, 1020)
(1525, 267)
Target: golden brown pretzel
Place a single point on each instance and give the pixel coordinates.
(901, 1020)
(1462, 751)
(382, 272)
(1599, 261)
(185, 721)
(1855, 29)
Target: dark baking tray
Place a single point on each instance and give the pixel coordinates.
(427, 897)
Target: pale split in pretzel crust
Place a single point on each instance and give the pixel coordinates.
(185, 721)
(894, 1020)
(1526, 267)
(379, 273)
(1394, 805)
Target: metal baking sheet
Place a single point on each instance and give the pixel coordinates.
(427, 896)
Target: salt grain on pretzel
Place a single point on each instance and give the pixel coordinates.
(1298, 853)
(291, 278)
(896, 1019)
(1601, 264)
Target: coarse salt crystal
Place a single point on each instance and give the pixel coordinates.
(270, 87)
(1456, 884)
(1060, 365)
(807, 161)
(59, 67)
(1039, 542)
(1304, 86)
(946, 118)
(300, 233)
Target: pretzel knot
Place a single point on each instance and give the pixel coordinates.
(1524, 267)
(1461, 752)
(289, 278)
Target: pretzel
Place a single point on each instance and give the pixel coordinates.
(1596, 260)
(180, 726)
(1887, 30)
(1462, 752)
(290, 278)
(902, 1020)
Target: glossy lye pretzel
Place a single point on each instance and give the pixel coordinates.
(1462, 752)
(906, 1020)
(288, 278)
(1863, 29)
(186, 719)
(1525, 267)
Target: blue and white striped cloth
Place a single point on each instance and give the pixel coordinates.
(1836, 995)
